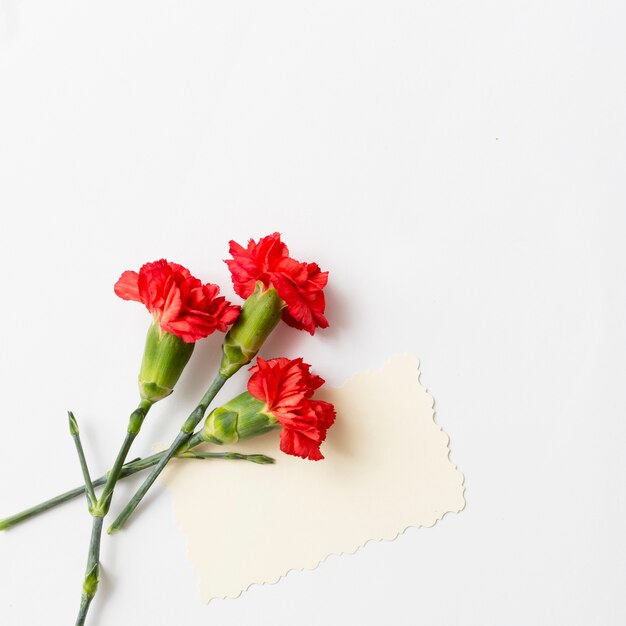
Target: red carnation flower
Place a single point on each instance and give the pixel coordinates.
(286, 387)
(180, 302)
(300, 285)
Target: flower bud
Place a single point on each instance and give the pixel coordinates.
(241, 418)
(259, 315)
(164, 359)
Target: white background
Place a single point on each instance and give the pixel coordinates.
(459, 168)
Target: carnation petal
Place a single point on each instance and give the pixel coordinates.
(297, 444)
(179, 301)
(126, 287)
(300, 285)
(285, 387)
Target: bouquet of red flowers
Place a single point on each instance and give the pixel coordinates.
(279, 392)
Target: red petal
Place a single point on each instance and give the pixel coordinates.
(285, 386)
(126, 287)
(295, 443)
(181, 303)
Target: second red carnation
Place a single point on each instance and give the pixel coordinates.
(300, 285)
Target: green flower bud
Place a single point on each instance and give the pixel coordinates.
(241, 418)
(73, 424)
(164, 359)
(259, 315)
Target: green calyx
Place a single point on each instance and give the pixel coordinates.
(241, 418)
(164, 358)
(259, 316)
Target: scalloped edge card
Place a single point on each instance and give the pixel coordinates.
(387, 468)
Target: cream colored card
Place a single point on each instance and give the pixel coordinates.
(387, 467)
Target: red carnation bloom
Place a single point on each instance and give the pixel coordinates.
(180, 302)
(300, 285)
(286, 387)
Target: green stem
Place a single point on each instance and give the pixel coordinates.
(261, 459)
(90, 584)
(91, 494)
(138, 465)
(130, 468)
(181, 440)
(196, 440)
(101, 508)
(134, 426)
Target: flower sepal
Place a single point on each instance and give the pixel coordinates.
(164, 358)
(259, 315)
(242, 417)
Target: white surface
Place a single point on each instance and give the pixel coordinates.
(471, 151)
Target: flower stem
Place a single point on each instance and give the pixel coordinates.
(195, 440)
(138, 465)
(180, 441)
(91, 494)
(101, 508)
(261, 459)
(134, 426)
(90, 584)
